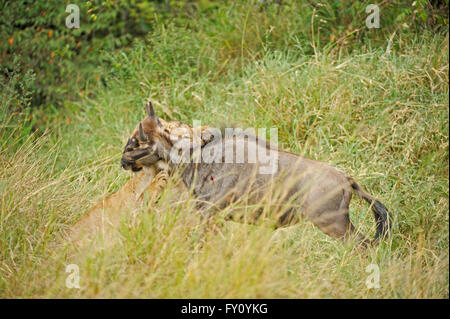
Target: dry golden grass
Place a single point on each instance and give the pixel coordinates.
(381, 116)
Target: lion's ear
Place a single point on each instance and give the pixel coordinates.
(208, 134)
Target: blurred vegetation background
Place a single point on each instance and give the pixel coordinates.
(372, 102)
(48, 64)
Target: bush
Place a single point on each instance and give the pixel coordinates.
(67, 61)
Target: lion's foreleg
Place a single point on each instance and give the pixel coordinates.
(156, 187)
(158, 183)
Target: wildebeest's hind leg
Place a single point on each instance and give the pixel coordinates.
(334, 219)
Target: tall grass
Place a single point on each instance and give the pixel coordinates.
(379, 114)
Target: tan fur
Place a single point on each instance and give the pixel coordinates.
(107, 214)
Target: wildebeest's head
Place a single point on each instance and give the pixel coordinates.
(141, 147)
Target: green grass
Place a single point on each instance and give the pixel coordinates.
(380, 115)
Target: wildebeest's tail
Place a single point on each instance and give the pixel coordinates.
(383, 218)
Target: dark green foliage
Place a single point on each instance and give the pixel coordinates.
(65, 61)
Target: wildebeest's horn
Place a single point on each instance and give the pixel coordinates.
(142, 135)
(150, 110)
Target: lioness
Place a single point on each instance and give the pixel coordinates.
(151, 180)
(298, 187)
(107, 213)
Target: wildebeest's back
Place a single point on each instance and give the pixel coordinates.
(309, 187)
